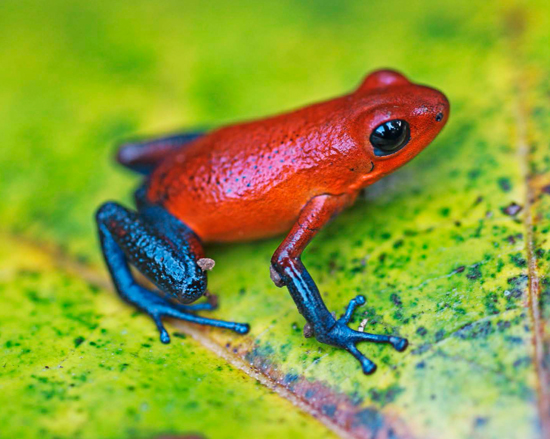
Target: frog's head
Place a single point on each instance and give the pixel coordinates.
(396, 119)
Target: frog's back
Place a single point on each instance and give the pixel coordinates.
(251, 180)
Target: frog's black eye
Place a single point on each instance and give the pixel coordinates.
(390, 137)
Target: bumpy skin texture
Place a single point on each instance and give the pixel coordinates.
(251, 180)
(289, 173)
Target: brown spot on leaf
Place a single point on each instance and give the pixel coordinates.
(460, 269)
(358, 420)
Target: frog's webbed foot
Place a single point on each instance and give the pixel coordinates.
(287, 269)
(340, 335)
(158, 307)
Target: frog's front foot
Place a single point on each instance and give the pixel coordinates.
(167, 252)
(340, 335)
(158, 307)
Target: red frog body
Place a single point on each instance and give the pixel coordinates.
(289, 173)
(251, 180)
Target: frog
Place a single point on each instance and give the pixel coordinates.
(289, 174)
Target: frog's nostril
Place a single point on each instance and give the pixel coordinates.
(439, 117)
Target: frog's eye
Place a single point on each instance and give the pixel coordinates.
(390, 137)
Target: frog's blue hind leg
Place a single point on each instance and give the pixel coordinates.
(166, 251)
(287, 269)
(143, 156)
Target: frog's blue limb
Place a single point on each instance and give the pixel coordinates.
(353, 305)
(288, 269)
(167, 258)
(325, 327)
(144, 156)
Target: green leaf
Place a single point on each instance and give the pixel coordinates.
(437, 249)
(76, 362)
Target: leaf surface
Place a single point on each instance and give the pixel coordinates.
(436, 247)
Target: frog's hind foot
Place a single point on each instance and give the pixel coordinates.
(341, 335)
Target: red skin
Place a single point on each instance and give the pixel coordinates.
(252, 180)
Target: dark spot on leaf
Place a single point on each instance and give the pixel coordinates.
(514, 340)
(474, 331)
(505, 184)
(386, 396)
(421, 349)
(519, 281)
(474, 272)
(290, 378)
(369, 418)
(480, 422)
(512, 209)
(522, 362)
(439, 335)
(512, 239)
(473, 174)
(490, 302)
(518, 260)
(78, 341)
(421, 331)
(328, 410)
(396, 300)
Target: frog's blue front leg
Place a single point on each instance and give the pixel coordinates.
(167, 252)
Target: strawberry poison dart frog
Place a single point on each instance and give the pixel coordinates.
(290, 173)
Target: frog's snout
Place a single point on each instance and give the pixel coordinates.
(441, 108)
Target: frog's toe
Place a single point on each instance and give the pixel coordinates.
(211, 305)
(164, 336)
(399, 344)
(158, 307)
(367, 365)
(352, 306)
(341, 335)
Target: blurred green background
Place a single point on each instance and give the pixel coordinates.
(431, 246)
(77, 77)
